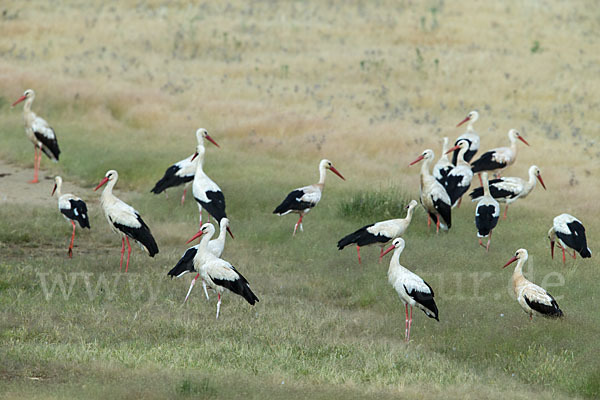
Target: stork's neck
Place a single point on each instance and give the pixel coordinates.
(202, 248)
(199, 158)
(395, 261)
(108, 190)
(409, 214)
(27, 105)
(461, 156)
(486, 188)
(58, 190)
(222, 233)
(425, 168)
(322, 175)
(470, 126)
(518, 273)
(445, 148)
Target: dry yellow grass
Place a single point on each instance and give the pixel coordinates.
(366, 84)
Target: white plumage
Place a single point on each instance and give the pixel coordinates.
(72, 209)
(497, 159)
(443, 166)
(470, 136)
(487, 213)
(124, 219)
(411, 288)
(304, 199)
(532, 298)
(569, 232)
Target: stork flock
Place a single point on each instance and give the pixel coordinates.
(441, 190)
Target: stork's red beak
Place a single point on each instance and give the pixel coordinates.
(552, 249)
(417, 160)
(463, 121)
(388, 250)
(211, 140)
(335, 171)
(20, 100)
(453, 149)
(53, 190)
(194, 157)
(196, 236)
(539, 176)
(523, 140)
(512, 260)
(230, 234)
(102, 182)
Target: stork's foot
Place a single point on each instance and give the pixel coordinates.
(70, 253)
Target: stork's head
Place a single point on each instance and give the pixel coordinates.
(535, 171)
(412, 204)
(398, 243)
(206, 229)
(111, 176)
(202, 134)
(57, 183)
(514, 134)
(28, 94)
(471, 117)
(224, 224)
(462, 144)
(426, 155)
(520, 254)
(328, 165)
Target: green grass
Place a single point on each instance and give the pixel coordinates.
(378, 204)
(323, 321)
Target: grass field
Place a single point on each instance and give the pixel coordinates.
(281, 85)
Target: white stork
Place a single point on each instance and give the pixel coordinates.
(443, 166)
(218, 273)
(186, 263)
(470, 136)
(532, 298)
(124, 219)
(487, 213)
(510, 189)
(72, 208)
(411, 288)
(207, 193)
(499, 158)
(379, 233)
(458, 179)
(39, 132)
(304, 199)
(180, 173)
(571, 234)
(434, 198)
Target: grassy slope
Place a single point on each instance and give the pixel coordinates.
(325, 326)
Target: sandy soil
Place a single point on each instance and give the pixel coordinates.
(15, 186)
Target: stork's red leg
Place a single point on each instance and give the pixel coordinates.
(358, 252)
(191, 287)
(428, 221)
(480, 181)
(409, 324)
(297, 224)
(128, 253)
(183, 197)
(35, 166)
(70, 252)
(122, 252)
(459, 201)
(564, 259)
(437, 225)
(505, 211)
(380, 254)
(487, 248)
(406, 322)
(574, 254)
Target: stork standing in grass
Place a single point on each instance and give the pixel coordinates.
(207, 193)
(124, 219)
(434, 198)
(39, 132)
(571, 234)
(470, 136)
(510, 189)
(379, 233)
(531, 297)
(496, 160)
(443, 166)
(487, 213)
(72, 208)
(219, 274)
(458, 179)
(411, 288)
(304, 199)
(186, 263)
(180, 173)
